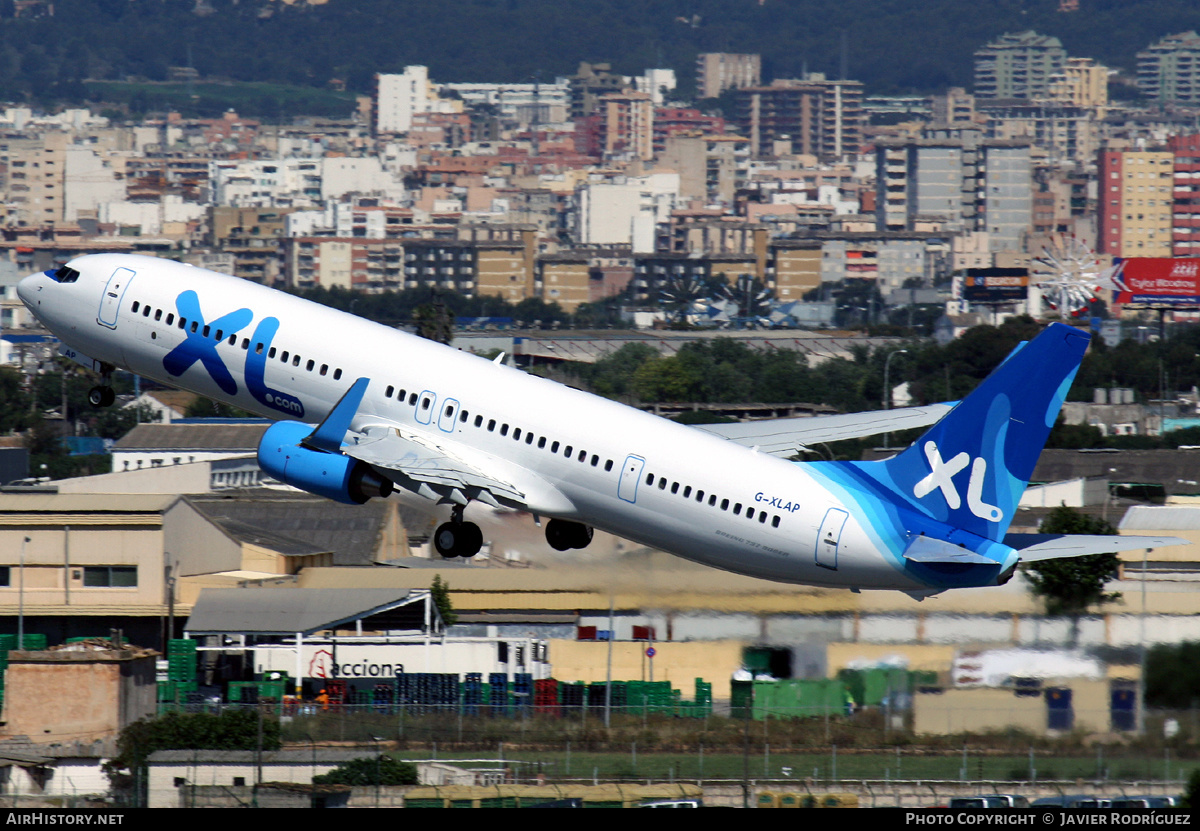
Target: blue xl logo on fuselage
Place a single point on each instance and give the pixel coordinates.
(200, 344)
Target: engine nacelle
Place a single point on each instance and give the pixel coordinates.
(331, 475)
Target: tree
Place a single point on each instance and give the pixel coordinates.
(1070, 585)
(434, 321)
(440, 592)
(382, 770)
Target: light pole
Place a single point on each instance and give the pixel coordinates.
(887, 387)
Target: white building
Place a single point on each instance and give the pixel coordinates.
(398, 97)
(626, 212)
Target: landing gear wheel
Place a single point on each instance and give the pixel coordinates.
(458, 539)
(101, 396)
(563, 535)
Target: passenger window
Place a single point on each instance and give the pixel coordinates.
(568, 451)
(389, 392)
(699, 496)
(478, 420)
(412, 399)
(220, 335)
(595, 460)
(649, 478)
(425, 402)
(749, 513)
(183, 323)
(582, 455)
(504, 429)
(233, 340)
(170, 318)
(737, 509)
(674, 487)
(325, 369)
(195, 326)
(762, 516)
(309, 366)
(271, 353)
(295, 360)
(687, 491)
(542, 443)
(516, 434)
(775, 522)
(554, 447)
(205, 332)
(284, 356)
(529, 438)
(134, 307)
(491, 425)
(724, 504)
(449, 411)
(337, 374)
(608, 466)
(662, 484)
(157, 315)
(462, 417)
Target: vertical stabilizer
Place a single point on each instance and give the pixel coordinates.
(970, 469)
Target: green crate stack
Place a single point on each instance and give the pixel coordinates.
(181, 659)
(34, 643)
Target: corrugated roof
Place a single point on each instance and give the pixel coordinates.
(1161, 518)
(350, 532)
(286, 611)
(242, 438)
(28, 503)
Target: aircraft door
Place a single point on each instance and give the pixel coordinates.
(630, 474)
(425, 406)
(829, 537)
(114, 291)
(446, 417)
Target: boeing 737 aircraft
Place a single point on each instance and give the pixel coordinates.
(394, 410)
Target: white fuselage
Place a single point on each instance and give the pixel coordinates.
(589, 459)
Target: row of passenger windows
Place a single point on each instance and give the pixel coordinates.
(285, 356)
(712, 499)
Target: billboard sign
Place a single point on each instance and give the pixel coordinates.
(995, 285)
(1157, 281)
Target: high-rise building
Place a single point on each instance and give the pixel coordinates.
(398, 97)
(1018, 66)
(1135, 203)
(1169, 70)
(1082, 83)
(719, 71)
(965, 185)
(1185, 231)
(589, 83)
(817, 117)
(627, 124)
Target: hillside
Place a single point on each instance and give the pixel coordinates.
(893, 46)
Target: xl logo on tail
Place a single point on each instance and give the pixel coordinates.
(941, 476)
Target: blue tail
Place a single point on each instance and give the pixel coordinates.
(970, 469)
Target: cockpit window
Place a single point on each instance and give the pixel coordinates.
(63, 275)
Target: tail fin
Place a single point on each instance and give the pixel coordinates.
(970, 469)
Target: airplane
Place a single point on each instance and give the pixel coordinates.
(364, 409)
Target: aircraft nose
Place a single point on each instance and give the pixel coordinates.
(28, 288)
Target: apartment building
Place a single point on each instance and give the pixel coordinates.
(1019, 65)
(399, 97)
(1169, 70)
(1135, 203)
(809, 116)
(719, 71)
(1185, 230)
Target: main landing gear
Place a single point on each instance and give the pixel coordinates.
(457, 538)
(564, 535)
(103, 395)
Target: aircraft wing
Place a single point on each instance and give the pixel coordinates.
(787, 436)
(1033, 547)
(428, 467)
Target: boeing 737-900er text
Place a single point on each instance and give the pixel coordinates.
(392, 410)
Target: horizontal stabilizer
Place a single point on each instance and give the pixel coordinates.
(1033, 547)
(929, 550)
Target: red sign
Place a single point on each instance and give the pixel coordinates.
(1158, 281)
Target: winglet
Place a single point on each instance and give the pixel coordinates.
(329, 433)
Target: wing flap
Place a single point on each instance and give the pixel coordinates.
(421, 460)
(787, 436)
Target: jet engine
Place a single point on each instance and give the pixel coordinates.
(282, 454)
